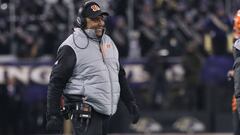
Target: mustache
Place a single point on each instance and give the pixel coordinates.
(97, 28)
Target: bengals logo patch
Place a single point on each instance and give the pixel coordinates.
(104, 48)
(95, 8)
(108, 46)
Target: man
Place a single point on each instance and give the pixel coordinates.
(88, 75)
(236, 73)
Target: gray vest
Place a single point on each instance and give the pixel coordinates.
(95, 74)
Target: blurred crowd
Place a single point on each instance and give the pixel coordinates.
(36, 28)
(170, 36)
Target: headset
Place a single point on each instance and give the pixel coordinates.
(81, 21)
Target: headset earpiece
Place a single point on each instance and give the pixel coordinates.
(80, 19)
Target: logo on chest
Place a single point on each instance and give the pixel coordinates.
(105, 49)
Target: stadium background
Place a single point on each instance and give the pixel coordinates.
(176, 53)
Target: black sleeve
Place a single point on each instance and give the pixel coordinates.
(61, 72)
(126, 93)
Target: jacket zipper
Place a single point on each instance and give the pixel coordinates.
(109, 78)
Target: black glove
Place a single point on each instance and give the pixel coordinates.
(54, 123)
(134, 111)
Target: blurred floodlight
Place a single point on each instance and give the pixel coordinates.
(163, 52)
(4, 6)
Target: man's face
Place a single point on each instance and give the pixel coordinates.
(97, 24)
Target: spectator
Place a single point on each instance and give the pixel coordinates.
(192, 64)
(148, 32)
(120, 36)
(218, 26)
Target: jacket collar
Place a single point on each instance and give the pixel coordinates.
(90, 33)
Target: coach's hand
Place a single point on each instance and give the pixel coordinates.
(54, 123)
(134, 112)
